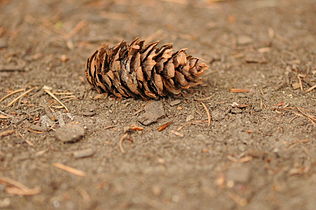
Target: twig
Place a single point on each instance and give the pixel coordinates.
(300, 82)
(233, 90)
(4, 115)
(17, 188)
(20, 96)
(310, 89)
(12, 93)
(48, 91)
(203, 99)
(177, 133)
(76, 29)
(126, 136)
(164, 126)
(209, 118)
(12, 69)
(310, 117)
(6, 133)
(69, 169)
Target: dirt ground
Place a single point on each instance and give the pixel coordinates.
(259, 151)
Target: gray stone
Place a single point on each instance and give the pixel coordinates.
(175, 102)
(84, 153)
(153, 111)
(70, 133)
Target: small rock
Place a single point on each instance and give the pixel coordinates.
(3, 43)
(39, 128)
(153, 111)
(5, 203)
(46, 122)
(189, 118)
(243, 40)
(70, 133)
(238, 173)
(235, 110)
(88, 113)
(255, 57)
(64, 58)
(60, 119)
(83, 153)
(296, 85)
(218, 115)
(175, 102)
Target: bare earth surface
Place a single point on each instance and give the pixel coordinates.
(259, 151)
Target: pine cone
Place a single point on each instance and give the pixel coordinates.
(139, 70)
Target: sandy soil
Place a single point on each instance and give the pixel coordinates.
(257, 153)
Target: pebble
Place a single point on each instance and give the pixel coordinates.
(5, 203)
(153, 111)
(189, 118)
(46, 122)
(70, 133)
(3, 43)
(238, 173)
(218, 115)
(175, 102)
(255, 57)
(243, 40)
(84, 153)
(39, 128)
(88, 113)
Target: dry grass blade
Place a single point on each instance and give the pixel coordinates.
(69, 169)
(17, 188)
(164, 126)
(48, 91)
(20, 96)
(209, 118)
(12, 93)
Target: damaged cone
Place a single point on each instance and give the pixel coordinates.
(142, 71)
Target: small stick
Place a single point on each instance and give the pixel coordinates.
(126, 136)
(310, 117)
(203, 99)
(164, 126)
(20, 96)
(12, 93)
(48, 91)
(233, 90)
(308, 90)
(177, 133)
(17, 188)
(4, 115)
(300, 82)
(11, 69)
(209, 118)
(69, 169)
(6, 133)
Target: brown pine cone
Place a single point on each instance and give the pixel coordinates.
(139, 70)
